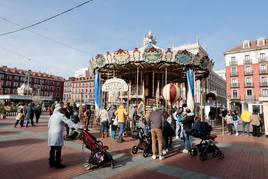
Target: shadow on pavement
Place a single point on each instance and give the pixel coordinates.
(17, 143)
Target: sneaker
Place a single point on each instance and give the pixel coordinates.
(177, 137)
(236, 134)
(154, 157)
(161, 157)
(164, 152)
(185, 151)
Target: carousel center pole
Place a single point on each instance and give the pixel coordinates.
(166, 104)
(137, 85)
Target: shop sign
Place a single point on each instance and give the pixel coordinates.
(115, 85)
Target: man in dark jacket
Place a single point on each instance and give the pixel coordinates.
(156, 121)
(187, 129)
(29, 114)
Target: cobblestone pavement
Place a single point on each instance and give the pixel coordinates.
(24, 154)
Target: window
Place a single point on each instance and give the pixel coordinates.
(260, 41)
(262, 68)
(233, 61)
(248, 69)
(264, 79)
(248, 80)
(265, 92)
(235, 95)
(246, 44)
(233, 71)
(247, 57)
(262, 56)
(249, 92)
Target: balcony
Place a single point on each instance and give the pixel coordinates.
(233, 63)
(264, 84)
(247, 73)
(234, 85)
(247, 61)
(263, 71)
(235, 97)
(262, 60)
(233, 74)
(249, 84)
(250, 98)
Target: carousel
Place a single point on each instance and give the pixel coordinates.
(151, 75)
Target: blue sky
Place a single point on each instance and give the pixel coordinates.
(107, 25)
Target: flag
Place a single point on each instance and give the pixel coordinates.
(190, 95)
(97, 91)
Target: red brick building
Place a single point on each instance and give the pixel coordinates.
(42, 84)
(79, 89)
(247, 74)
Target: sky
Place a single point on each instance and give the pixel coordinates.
(64, 44)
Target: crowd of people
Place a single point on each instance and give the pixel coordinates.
(233, 119)
(26, 114)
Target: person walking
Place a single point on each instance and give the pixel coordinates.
(29, 114)
(111, 117)
(178, 118)
(187, 122)
(246, 117)
(156, 121)
(236, 120)
(168, 132)
(255, 122)
(230, 122)
(37, 111)
(55, 135)
(104, 122)
(87, 116)
(134, 117)
(20, 116)
(121, 114)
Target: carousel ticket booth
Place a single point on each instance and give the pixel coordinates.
(148, 69)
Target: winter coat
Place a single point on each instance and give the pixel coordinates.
(245, 116)
(229, 119)
(121, 114)
(188, 121)
(56, 128)
(255, 120)
(103, 115)
(156, 119)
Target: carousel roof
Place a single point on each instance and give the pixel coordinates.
(153, 58)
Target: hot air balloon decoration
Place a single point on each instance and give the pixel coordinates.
(171, 93)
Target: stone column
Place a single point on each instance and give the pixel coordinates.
(264, 101)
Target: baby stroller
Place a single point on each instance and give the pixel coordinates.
(98, 153)
(202, 131)
(145, 142)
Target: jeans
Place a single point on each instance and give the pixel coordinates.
(256, 130)
(178, 128)
(246, 125)
(187, 139)
(104, 126)
(121, 131)
(157, 133)
(236, 126)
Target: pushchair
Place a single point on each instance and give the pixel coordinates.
(98, 153)
(145, 142)
(207, 145)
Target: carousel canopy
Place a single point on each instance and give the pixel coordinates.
(153, 58)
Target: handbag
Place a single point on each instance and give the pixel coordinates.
(115, 123)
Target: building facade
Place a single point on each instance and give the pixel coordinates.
(247, 74)
(79, 90)
(42, 84)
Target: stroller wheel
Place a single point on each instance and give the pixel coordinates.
(86, 165)
(193, 152)
(145, 153)
(112, 164)
(203, 157)
(134, 149)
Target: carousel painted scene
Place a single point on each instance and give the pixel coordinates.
(151, 76)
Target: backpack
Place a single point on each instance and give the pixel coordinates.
(235, 118)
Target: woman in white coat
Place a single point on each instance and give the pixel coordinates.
(56, 126)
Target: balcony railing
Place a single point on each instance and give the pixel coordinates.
(234, 85)
(264, 84)
(247, 61)
(263, 59)
(250, 98)
(248, 72)
(234, 74)
(249, 84)
(263, 71)
(235, 97)
(233, 63)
